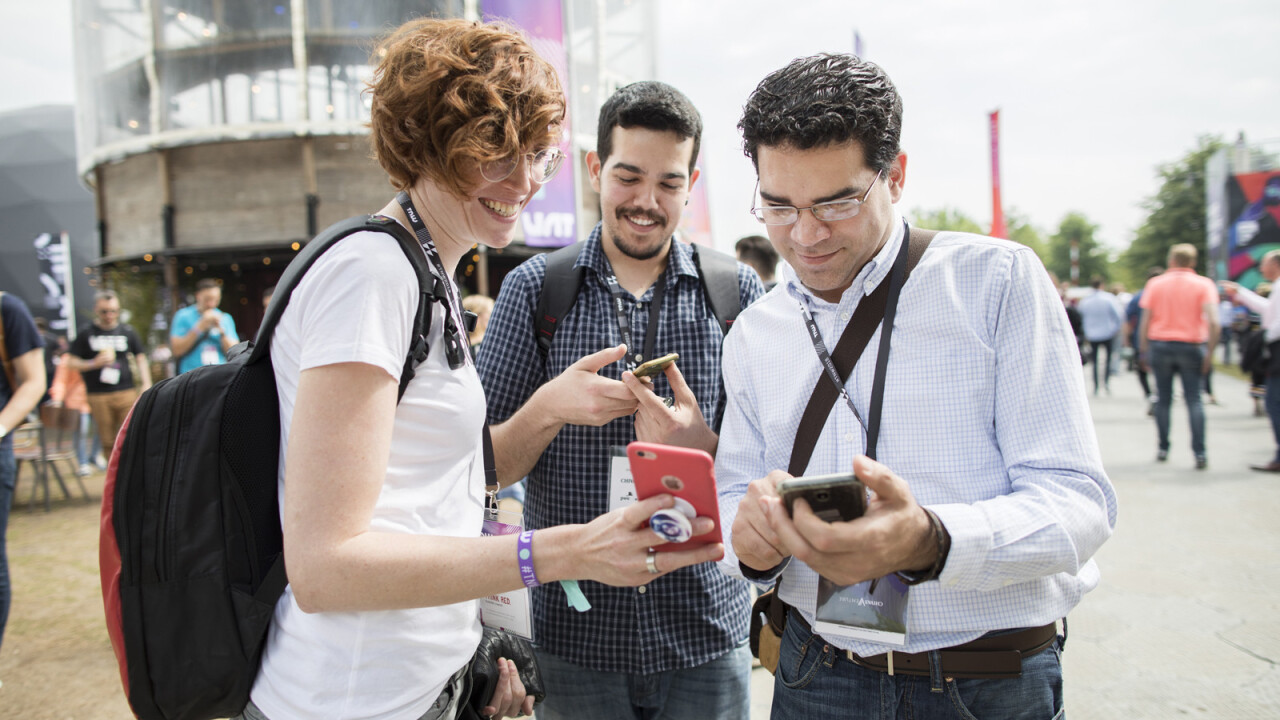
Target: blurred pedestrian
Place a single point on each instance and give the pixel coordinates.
(1179, 329)
(1101, 320)
(22, 383)
(1269, 309)
(755, 251)
(1132, 324)
(202, 334)
(111, 358)
(68, 390)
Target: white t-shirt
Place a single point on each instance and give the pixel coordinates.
(356, 304)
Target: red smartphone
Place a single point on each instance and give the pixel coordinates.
(687, 474)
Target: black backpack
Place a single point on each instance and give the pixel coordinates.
(560, 286)
(191, 551)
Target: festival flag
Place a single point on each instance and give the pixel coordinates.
(997, 210)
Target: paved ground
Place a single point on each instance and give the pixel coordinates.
(1186, 622)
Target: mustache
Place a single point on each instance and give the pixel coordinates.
(658, 218)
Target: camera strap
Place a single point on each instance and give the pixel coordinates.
(880, 304)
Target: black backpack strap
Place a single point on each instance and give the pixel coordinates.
(857, 333)
(719, 274)
(430, 288)
(560, 288)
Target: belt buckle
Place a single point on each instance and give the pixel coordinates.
(853, 658)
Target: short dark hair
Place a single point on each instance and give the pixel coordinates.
(1154, 270)
(756, 251)
(823, 100)
(206, 283)
(1096, 282)
(651, 105)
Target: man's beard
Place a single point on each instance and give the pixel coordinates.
(637, 253)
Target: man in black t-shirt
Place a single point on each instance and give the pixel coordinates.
(21, 385)
(104, 352)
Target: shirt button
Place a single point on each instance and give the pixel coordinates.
(844, 316)
(641, 589)
(848, 437)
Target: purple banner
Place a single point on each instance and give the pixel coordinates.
(549, 220)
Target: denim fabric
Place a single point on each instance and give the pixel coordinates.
(716, 690)
(1184, 359)
(8, 477)
(1272, 403)
(815, 680)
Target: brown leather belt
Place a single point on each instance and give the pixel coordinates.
(994, 657)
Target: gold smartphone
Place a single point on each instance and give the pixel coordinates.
(655, 366)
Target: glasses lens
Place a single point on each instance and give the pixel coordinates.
(776, 215)
(498, 170)
(546, 164)
(836, 210)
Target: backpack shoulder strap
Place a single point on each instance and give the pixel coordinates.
(430, 288)
(719, 273)
(560, 288)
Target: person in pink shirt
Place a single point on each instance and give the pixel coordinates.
(1177, 334)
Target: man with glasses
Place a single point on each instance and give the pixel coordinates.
(106, 352)
(988, 498)
(674, 648)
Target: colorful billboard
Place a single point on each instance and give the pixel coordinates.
(549, 219)
(1253, 215)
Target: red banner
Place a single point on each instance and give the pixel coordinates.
(997, 209)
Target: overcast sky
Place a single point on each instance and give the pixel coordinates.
(1093, 94)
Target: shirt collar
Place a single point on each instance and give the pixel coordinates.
(592, 256)
(867, 279)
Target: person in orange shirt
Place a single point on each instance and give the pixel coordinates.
(67, 390)
(1177, 334)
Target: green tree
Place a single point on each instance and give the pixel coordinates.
(1176, 213)
(945, 219)
(1076, 229)
(1022, 231)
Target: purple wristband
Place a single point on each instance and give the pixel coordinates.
(524, 554)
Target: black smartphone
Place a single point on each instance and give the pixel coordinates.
(839, 496)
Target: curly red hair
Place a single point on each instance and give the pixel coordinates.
(448, 93)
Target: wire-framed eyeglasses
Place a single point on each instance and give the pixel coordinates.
(542, 166)
(825, 211)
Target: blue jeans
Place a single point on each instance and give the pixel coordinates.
(815, 680)
(1272, 403)
(1095, 358)
(8, 477)
(1185, 359)
(719, 689)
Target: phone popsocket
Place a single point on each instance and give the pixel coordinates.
(675, 525)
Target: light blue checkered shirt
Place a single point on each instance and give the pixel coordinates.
(984, 416)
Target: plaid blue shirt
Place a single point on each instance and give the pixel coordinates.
(984, 416)
(680, 620)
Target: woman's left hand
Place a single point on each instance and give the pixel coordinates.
(509, 698)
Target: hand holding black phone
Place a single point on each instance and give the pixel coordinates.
(835, 497)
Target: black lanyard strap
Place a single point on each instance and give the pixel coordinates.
(635, 356)
(815, 336)
(455, 349)
(857, 333)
